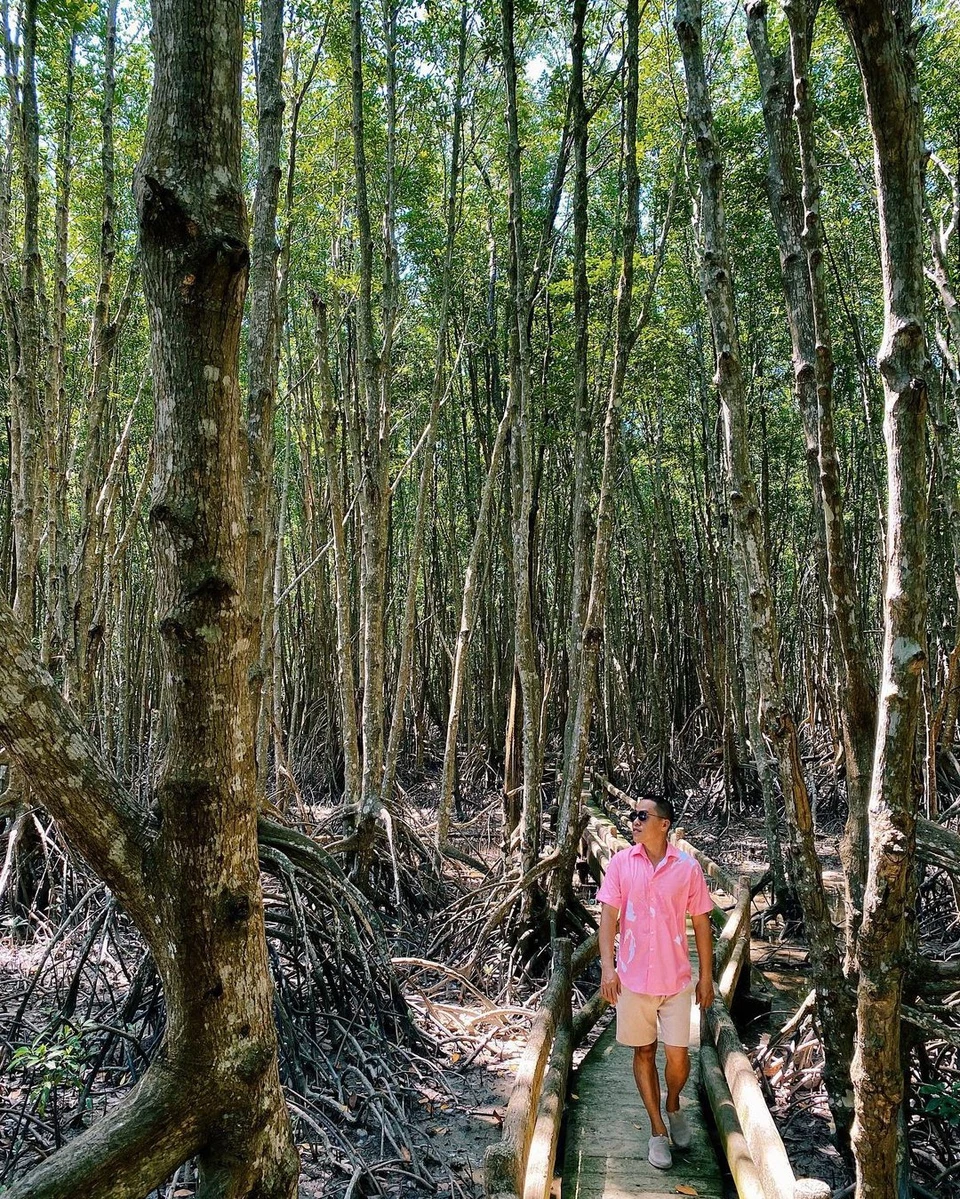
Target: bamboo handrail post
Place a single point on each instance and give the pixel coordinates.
(505, 1163)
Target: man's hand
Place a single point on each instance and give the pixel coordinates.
(610, 985)
(705, 991)
(609, 979)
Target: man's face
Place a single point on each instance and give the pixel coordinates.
(647, 825)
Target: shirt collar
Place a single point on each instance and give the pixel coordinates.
(672, 852)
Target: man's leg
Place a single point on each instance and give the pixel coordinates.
(648, 1084)
(676, 1074)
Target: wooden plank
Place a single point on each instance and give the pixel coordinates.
(608, 1131)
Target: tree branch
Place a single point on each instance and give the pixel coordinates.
(67, 775)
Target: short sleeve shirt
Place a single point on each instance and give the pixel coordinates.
(653, 958)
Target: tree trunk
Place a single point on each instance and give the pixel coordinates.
(465, 633)
(193, 239)
(794, 194)
(523, 467)
(777, 724)
(592, 635)
(54, 627)
(428, 439)
(341, 563)
(191, 882)
(885, 47)
(373, 433)
(263, 362)
(25, 392)
(86, 636)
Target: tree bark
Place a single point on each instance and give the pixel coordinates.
(592, 633)
(523, 466)
(777, 723)
(884, 44)
(57, 427)
(428, 439)
(373, 437)
(190, 878)
(25, 393)
(341, 562)
(207, 892)
(794, 192)
(263, 363)
(86, 637)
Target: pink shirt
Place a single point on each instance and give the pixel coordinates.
(653, 958)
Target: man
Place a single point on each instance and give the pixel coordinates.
(648, 889)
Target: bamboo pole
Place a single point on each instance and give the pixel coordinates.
(739, 1158)
(505, 1163)
(542, 1156)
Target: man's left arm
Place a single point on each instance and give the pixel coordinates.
(703, 935)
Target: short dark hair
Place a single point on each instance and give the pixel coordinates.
(665, 809)
(664, 806)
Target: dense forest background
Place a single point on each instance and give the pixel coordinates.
(493, 476)
(667, 669)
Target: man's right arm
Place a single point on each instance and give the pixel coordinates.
(609, 979)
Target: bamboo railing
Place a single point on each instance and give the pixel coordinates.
(521, 1164)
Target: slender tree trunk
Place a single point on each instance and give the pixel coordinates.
(592, 636)
(373, 431)
(424, 492)
(581, 524)
(777, 724)
(465, 634)
(54, 627)
(341, 563)
(523, 466)
(26, 392)
(794, 192)
(858, 706)
(86, 636)
(263, 356)
(884, 44)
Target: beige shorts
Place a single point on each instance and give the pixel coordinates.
(637, 1017)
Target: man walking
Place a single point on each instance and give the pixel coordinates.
(648, 889)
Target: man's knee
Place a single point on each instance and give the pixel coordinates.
(646, 1053)
(677, 1055)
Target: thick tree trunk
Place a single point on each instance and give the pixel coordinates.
(190, 881)
(777, 724)
(884, 44)
(207, 890)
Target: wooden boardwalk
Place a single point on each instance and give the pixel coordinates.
(608, 1131)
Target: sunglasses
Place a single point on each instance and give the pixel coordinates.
(643, 815)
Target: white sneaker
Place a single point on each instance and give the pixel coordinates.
(680, 1131)
(659, 1154)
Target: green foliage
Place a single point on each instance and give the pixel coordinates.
(942, 1099)
(51, 1061)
